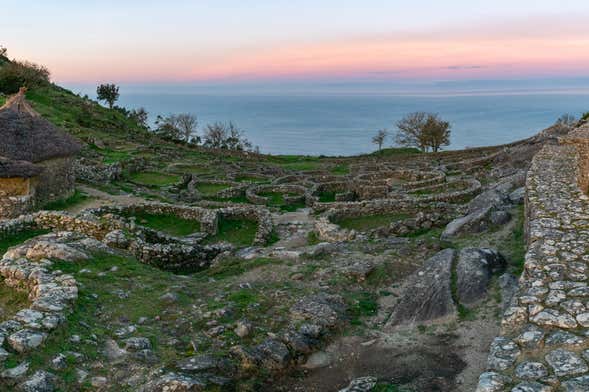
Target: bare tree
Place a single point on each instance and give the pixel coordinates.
(379, 138)
(424, 131)
(410, 130)
(226, 136)
(187, 124)
(437, 132)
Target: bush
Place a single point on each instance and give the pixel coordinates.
(16, 74)
(585, 116)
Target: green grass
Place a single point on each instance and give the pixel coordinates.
(276, 199)
(170, 224)
(394, 151)
(154, 179)
(112, 156)
(386, 387)
(2, 100)
(239, 232)
(515, 246)
(327, 197)
(12, 300)
(312, 238)
(19, 238)
(246, 178)
(88, 320)
(60, 205)
(369, 222)
(361, 304)
(340, 170)
(211, 189)
(297, 162)
(235, 266)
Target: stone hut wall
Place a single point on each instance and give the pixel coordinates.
(57, 181)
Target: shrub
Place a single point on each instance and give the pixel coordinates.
(585, 116)
(16, 74)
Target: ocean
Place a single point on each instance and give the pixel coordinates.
(340, 124)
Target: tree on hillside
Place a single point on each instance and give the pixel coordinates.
(178, 127)
(379, 138)
(3, 51)
(167, 127)
(226, 136)
(108, 93)
(17, 74)
(424, 131)
(410, 130)
(140, 116)
(187, 125)
(437, 132)
(566, 120)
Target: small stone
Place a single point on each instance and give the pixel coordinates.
(59, 362)
(98, 382)
(318, 360)
(136, 344)
(583, 319)
(503, 353)
(169, 298)
(564, 338)
(362, 384)
(41, 381)
(243, 328)
(26, 340)
(554, 318)
(531, 371)
(579, 384)
(531, 387)
(297, 276)
(15, 372)
(566, 363)
(530, 337)
(492, 382)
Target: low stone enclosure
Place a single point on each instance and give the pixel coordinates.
(544, 342)
(51, 295)
(108, 224)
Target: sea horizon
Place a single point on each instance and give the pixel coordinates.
(331, 120)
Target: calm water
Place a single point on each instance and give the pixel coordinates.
(344, 125)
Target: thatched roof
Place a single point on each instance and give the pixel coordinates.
(26, 136)
(10, 169)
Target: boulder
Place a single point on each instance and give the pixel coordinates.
(474, 270)
(40, 381)
(474, 222)
(428, 295)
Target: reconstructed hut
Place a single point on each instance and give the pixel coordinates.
(35, 159)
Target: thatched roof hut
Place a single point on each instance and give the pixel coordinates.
(26, 136)
(10, 169)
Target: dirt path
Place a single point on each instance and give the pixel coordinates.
(99, 198)
(293, 228)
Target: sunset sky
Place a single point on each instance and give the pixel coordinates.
(146, 41)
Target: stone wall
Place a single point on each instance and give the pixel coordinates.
(544, 342)
(56, 182)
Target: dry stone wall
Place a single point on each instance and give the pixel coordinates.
(544, 342)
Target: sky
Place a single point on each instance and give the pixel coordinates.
(306, 41)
